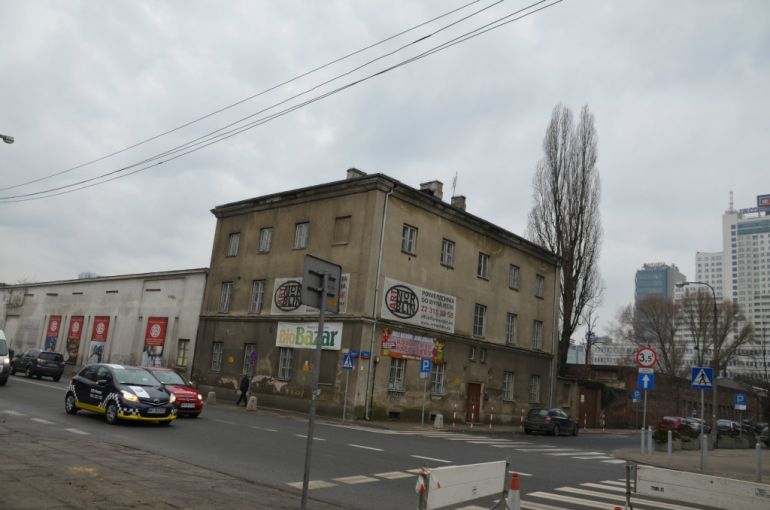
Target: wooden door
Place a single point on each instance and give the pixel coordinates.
(473, 405)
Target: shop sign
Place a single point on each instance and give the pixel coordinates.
(286, 297)
(302, 335)
(401, 345)
(427, 308)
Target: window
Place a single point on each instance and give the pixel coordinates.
(409, 239)
(396, 376)
(447, 253)
(285, 357)
(539, 285)
(232, 244)
(301, 234)
(482, 355)
(472, 353)
(508, 386)
(257, 293)
(534, 389)
(482, 269)
(182, 350)
(217, 348)
(513, 277)
(537, 335)
(437, 379)
(224, 300)
(265, 239)
(341, 230)
(510, 328)
(478, 320)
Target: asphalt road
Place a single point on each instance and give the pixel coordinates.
(352, 465)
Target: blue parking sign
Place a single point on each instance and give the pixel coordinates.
(636, 396)
(425, 365)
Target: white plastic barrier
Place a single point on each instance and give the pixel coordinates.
(444, 486)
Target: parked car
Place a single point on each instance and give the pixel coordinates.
(5, 360)
(696, 424)
(672, 423)
(550, 421)
(728, 428)
(188, 401)
(37, 363)
(764, 436)
(120, 393)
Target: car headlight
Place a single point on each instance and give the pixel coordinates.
(127, 395)
(172, 399)
(6, 361)
(200, 397)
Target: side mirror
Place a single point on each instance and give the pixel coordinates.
(102, 382)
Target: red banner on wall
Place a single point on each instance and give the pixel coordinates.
(54, 325)
(76, 328)
(101, 328)
(156, 331)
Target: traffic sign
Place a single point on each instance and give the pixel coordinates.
(645, 381)
(643, 370)
(740, 401)
(347, 361)
(312, 292)
(702, 377)
(425, 365)
(646, 357)
(636, 396)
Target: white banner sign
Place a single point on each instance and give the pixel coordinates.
(302, 335)
(286, 297)
(403, 302)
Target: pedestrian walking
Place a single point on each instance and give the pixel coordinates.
(244, 389)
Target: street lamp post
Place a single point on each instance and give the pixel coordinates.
(6, 138)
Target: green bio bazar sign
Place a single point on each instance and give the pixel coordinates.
(302, 335)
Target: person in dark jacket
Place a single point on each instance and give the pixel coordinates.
(244, 389)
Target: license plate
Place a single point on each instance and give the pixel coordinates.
(187, 406)
(156, 410)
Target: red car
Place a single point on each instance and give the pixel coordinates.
(188, 401)
(672, 423)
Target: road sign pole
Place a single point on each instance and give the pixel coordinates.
(703, 443)
(345, 400)
(424, 396)
(644, 420)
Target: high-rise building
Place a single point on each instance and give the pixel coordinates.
(657, 278)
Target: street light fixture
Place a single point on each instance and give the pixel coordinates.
(6, 138)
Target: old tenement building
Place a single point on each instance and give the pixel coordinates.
(421, 279)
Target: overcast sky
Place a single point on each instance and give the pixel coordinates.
(680, 92)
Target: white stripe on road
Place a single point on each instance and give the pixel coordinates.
(44, 422)
(312, 484)
(567, 499)
(430, 458)
(226, 422)
(393, 475)
(612, 482)
(565, 453)
(604, 487)
(262, 428)
(76, 431)
(549, 449)
(354, 480)
(13, 413)
(304, 436)
(520, 473)
(54, 386)
(366, 447)
(528, 505)
(636, 501)
(592, 457)
(615, 461)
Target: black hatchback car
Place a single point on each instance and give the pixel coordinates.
(550, 421)
(38, 363)
(120, 392)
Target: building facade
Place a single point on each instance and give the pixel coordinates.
(657, 278)
(141, 319)
(422, 279)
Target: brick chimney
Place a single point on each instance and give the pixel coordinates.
(459, 202)
(354, 172)
(433, 188)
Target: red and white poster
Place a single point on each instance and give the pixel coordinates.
(99, 339)
(52, 335)
(154, 341)
(73, 338)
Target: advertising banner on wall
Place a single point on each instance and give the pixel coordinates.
(154, 341)
(98, 339)
(52, 335)
(401, 345)
(73, 338)
(407, 303)
(286, 297)
(302, 335)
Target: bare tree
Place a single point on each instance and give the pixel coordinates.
(565, 218)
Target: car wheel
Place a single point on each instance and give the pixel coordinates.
(28, 373)
(556, 430)
(112, 413)
(69, 404)
(2, 383)
(56, 379)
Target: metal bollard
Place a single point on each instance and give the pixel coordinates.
(649, 440)
(211, 399)
(642, 437)
(670, 446)
(758, 449)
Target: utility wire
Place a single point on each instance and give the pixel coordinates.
(498, 23)
(237, 103)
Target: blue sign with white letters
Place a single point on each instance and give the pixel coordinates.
(740, 399)
(636, 395)
(425, 365)
(645, 381)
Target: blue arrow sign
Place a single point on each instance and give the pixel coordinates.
(702, 377)
(645, 381)
(347, 361)
(425, 365)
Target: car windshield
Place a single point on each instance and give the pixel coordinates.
(3, 348)
(169, 377)
(134, 376)
(538, 412)
(50, 356)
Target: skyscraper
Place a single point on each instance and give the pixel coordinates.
(657, 278)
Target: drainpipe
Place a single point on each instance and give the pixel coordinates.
(555, 336)
(370, 374)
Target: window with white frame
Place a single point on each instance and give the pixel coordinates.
(182, 352)
(217, 348)
(483, 355)
(232, 244)
(508, 386)
(482, 268)
(265, 239)
(285, 358)
(396, 375)
(511, 321)
(409, 239)
(437, 379)
(479, 313)
(472, 353)
(257, 293)
(534, 389)
(447, 253)
(301, 234)
(513, 277)
(224, 299)
(539, 285)
(537, 334)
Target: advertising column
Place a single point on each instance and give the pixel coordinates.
(98, 339)
(52, 335)
(73, 339)
(154, 341)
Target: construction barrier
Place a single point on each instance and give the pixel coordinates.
(445, 486)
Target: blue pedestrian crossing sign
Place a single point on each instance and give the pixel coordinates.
(702, 377)
(426, 365)
(645, 381)
(347, 361)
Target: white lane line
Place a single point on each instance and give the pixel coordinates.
(520, 473)
(393, 475)
(76, 431)
(312, 484)
(622, 498)
(13, 413)
(551, 449)
(226, 422)
(41, 420)
(430, 458)
(354, 480)
(592, 457)
(615, 461)
(564, 454)
(366, 447)
(414, 471)
(304, 436)
(491, 441)
(613, 482)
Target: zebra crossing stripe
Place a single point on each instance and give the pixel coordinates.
(568, 499)
(354, 480)
(520, 473)
(393, 475)
(603, 487)
(529, 505)
(615, 461)
(312, 484)
(41, 420)
(566, 454)
(594, 457)
(613, 482)
(76, 431)
(636, 501)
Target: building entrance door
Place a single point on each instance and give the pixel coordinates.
(473, 405)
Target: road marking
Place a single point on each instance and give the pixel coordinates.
(76, 431)
(473, 507)
(549, 449)
(354, 480)
(414, 471)
(528, 505)
(393, 475)
(304, 436)
(226, 422)
(54, 386)
(604, 487)
(366, 447)
(520, 473)
(44, 422)
(491, 441)
(567, 499)
(564, 453)
(430, 458)
(312, 484)
(14, 413)
(593, 457)
(613, 482)
(615, 461)
(613, 497)
(269, 430)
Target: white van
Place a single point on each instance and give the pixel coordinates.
(5, 360)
